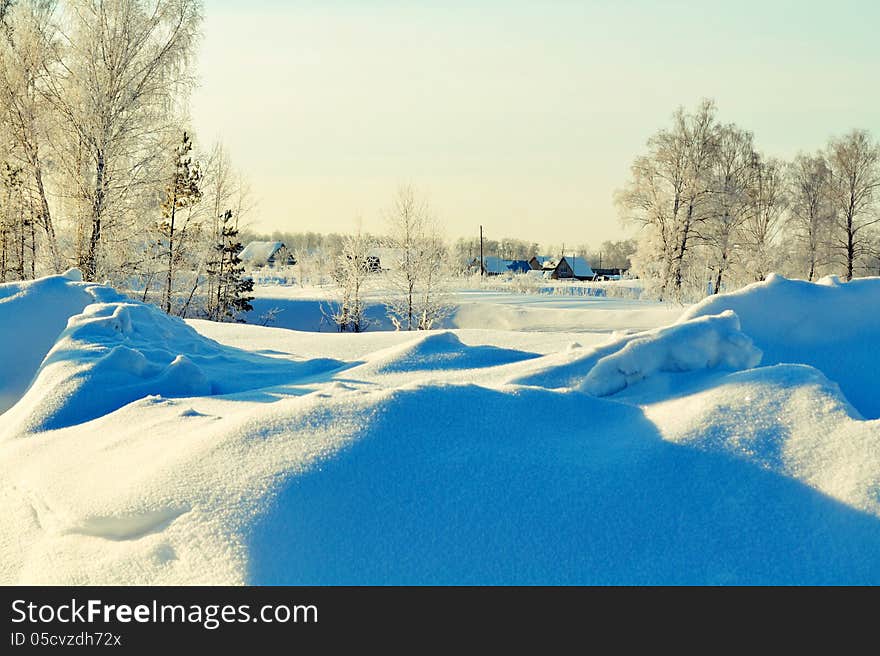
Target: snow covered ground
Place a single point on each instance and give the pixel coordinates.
(538, 439)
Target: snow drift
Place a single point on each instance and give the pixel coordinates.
(467, 485)
(441, 350)
(707, 342)
(665, 456)
(113, 353)
(32, 315)
(830, 325)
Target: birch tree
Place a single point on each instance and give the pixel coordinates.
(352, 274)
(728, 204)
(855, 185)
(418, 273)
(407, 219)
(125, 76)
(811, 210)
(768, 202)
(27, 59)
(668, 190)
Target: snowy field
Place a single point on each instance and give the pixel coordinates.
(534, 439)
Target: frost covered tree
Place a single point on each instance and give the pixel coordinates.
(855, 190)
(668, 191)
(182, 193)
(123, 83)
(226, 195)
(769, 202)
(29, 42)
(728, 204)
(17, 235)
(811, 210)
(407, 221)
(352, 274)
(417, 275)
(433, 303)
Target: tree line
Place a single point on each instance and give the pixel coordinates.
(717, 213)
(97, 168)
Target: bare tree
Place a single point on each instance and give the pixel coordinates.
(855, 183)
(728, 204)
(125, 73)
(407, 219)
(811, 210)
(669, 189)
(27, 57)
(433, 302)
(182, 194)
(768, 201)
(417, 273)
(352, 274)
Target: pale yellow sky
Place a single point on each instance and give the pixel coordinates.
(522, 116)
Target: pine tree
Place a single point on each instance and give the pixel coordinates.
(183, 192)
(231, 289)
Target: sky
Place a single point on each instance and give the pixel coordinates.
(520, 116)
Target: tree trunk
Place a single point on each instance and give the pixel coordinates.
(169, 278)
(717, 286)
(850, 248)
(90, 264)
(45, 216)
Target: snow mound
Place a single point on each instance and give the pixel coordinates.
(705, 343)
(476, 495)
(831, 325)
(33, 313)
(114, 353)
(789, 419)
(442, 350)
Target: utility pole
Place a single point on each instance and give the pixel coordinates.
(482, 262)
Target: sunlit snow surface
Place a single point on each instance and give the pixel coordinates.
(538, 440)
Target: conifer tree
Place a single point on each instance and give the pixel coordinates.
(231, 291)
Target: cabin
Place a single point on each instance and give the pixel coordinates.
(270, 254)
(566, 267)
(570, 267)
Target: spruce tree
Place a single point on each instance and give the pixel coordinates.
(232, 289)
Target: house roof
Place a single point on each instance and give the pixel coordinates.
(493, 264)
(546, 261)
(579, 267)
(259, 252)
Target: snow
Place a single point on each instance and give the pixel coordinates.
(829, 325)
(702, 343)
(562, 440)
(306, 309)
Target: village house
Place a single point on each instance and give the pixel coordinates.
(570, 267)
(259, 254)
(567, 267)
